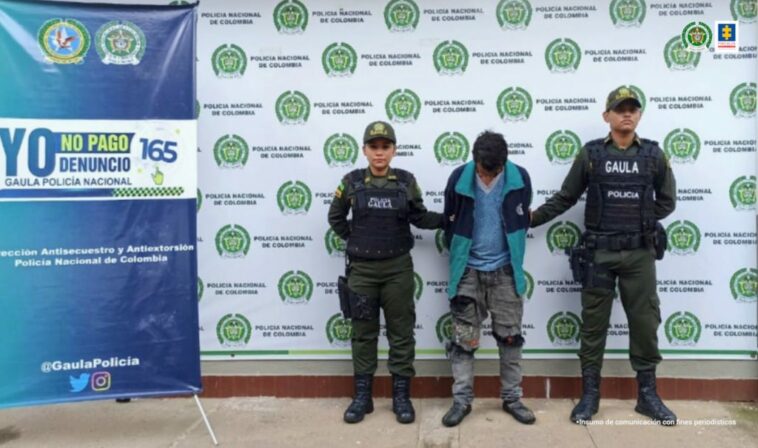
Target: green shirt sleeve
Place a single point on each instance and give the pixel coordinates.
(339, 209)
(418, 215)
(571, 190)
(665, 188)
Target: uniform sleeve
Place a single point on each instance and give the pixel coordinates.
(339, 209)
(571, 190)
(665, 189)
(418, 215)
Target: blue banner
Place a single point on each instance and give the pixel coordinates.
(98, 235)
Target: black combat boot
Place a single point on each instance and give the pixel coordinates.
(401, 399)
(588, 405)
(362, 402)
(648, 401)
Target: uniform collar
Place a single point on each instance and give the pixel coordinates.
(636, 140)
(368, 177)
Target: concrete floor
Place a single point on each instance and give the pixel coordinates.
(277, 422)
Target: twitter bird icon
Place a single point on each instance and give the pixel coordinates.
(78, 384)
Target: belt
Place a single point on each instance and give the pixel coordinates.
(627, 241)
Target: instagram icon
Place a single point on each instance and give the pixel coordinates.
(101, 381)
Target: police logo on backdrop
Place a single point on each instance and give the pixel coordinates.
(514, 104)
(745, 11)
(339, 331)
(514, 14)
(744, 284)
(450, 58)
(403, 106)
(697, 36)
(335, 246)
(293, 107)
(561, 236)
(290, 17)
(563, 56)
(401, 15)
(63, 41)
(451, 148)
(231, 151)
(742, 193)
(340, 150)
(339, 59)
(229, 61)
(199, 200)
(120, 43)
(683, 237)
(440, 243)
(562, 147)
(232, 241)
(529, 285)
(294, 198)
(743, 100)
(682, 146)
(418, 286)
(683, 328)
(678, 57)
(563, 328)
(295, 287)
(200, 289)
(444, 328)
(234, 330)
(628, 13)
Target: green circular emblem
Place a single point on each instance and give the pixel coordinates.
(197, 109)
(401, 15)
(229, 61)
(294, 198)
(514, 14)
(697, 36)
(120, 43)
(339, 59)
(335, 246)
(744, 10)
(742, 193)
(451, 148)
(529, 285)
(199, 200)
(561, 236)
(563, 56)
(231, 151)
(418, 286)
(403, 106)
(563, 328)
(628, 13)
(293, 107)
(683, 237)
(64, 41)
(444, 328)
(295, 287)
(743, 100)
(341, 150)
(234, 330)
(682, 146)
(200, 289)
(440, 243)
(744, 284)
(232, 241)
(450, 58)
(562, 147)
(290, 17)
(683, 328)
(678, 57)
(339, 331)
(514, 104)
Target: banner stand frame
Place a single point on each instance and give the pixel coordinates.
(205, 420)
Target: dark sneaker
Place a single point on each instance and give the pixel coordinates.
(519, 411)
(456, 414)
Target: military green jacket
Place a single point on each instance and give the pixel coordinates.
(418, 215)
(576, 183)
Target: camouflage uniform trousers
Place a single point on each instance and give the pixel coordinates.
(479, 293)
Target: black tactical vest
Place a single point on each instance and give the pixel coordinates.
(620, 193)
(380, 227)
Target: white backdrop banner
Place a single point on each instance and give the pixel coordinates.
(287, 87)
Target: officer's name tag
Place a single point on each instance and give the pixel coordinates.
(621, 167)
(381, 203)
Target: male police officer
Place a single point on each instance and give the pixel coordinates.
(630, 187)
(384, 202)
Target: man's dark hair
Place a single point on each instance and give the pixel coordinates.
(490, 151)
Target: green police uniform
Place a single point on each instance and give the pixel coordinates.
(634, 268)
(386, 280)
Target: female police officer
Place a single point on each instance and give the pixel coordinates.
(384, 201)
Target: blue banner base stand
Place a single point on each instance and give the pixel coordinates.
(205, 419)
